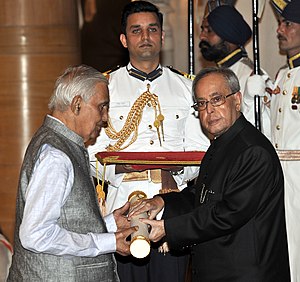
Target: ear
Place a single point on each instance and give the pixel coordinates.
(238, 100)
(123, 40)
(163, 38)
(76, 104)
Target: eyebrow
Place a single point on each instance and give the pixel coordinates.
(154, 24)
(210, 95)
(139, 25)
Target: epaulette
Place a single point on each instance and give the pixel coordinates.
(186, 75)
(246, 61)
(280, 69)
(108, 72)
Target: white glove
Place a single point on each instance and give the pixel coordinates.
(255, 85)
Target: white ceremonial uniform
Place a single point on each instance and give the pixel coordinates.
(182, 131)
(285, 118)
(243, 69)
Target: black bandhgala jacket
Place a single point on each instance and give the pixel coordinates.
(233, 217)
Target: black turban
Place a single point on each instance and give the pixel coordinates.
(292, 11)
(229, 24)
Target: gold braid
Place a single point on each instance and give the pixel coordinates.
(133, 121)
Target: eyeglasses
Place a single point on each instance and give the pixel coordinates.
(215, 101)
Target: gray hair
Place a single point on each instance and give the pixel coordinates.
(228, 75)
(75, 81)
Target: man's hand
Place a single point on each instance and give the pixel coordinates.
(120, 216)
(152, 206)
(256, 85)
(157, 229)
(121, 242)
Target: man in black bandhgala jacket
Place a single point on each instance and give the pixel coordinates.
(233, 217)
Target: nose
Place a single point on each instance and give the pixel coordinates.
(104, 115)
(145, 34)
(202, 35)
(280, 27)
(209, 108)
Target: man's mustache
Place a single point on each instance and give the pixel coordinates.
(204, 44)
(280, 37)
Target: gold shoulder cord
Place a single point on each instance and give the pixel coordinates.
(131, 125)
(100, 189)
(133, 121)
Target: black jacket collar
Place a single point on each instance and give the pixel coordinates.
(227, 136)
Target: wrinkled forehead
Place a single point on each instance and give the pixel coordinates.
(211, 85)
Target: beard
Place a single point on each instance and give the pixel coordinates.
(213, 52)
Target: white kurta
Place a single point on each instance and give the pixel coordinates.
(243, 70)
(182, 131)
(286, 136)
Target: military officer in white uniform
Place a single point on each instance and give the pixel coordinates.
(180, 130)
(224, 32)
(285, 117)
(150, 110)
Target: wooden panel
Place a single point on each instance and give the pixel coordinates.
(38, 40)
(56, 39)
(34, 67)
(38, 12)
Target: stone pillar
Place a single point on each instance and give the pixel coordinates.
(168, 48)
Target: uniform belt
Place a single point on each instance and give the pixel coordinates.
(289, 155)
(153, 175)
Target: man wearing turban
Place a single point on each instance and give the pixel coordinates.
(224, 32)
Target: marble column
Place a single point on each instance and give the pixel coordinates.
(167, 57)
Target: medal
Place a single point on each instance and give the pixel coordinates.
(295, 98)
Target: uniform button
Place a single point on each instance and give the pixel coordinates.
(284, 92)
(278, 127)
(151, 142)
(150, 126)
(288, 75)
(121, 117)
(177, 116)
(276, 146)
(280, 110)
